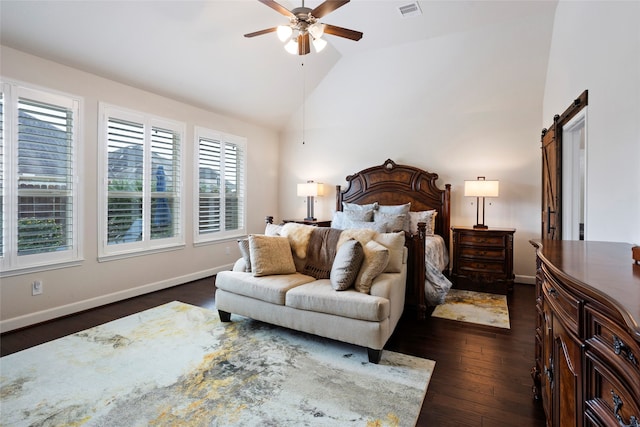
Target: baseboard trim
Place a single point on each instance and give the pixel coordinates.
(75, 307)
(527, 280)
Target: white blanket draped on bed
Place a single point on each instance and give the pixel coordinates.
(436, 285)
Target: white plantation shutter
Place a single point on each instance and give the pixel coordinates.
(221, 185)
(2, 202)
(38, 190)
(143, 182)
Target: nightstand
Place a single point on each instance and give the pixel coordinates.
(483, 259)
(304, 221)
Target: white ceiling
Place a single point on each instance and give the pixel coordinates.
(195, 51)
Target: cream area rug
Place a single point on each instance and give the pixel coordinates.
(178, 365)
(475, 307)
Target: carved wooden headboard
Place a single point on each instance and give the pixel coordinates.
(393, 184)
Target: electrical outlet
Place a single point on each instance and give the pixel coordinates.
(36, 287)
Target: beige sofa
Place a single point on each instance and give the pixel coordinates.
(302, 302)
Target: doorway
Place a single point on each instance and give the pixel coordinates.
(574, 163)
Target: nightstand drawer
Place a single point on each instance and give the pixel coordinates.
(483, 239)
(469, 265)
(485, 253)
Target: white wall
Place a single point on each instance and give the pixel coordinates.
(441, 105)
(596, 46)
(94, 283)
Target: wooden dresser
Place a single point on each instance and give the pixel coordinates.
(482, 259)
(587, 343)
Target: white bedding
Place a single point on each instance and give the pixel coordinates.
(436, 256)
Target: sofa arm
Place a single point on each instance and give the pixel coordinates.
(240, 265)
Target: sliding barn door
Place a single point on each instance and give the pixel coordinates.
(552, 170)
(551, 182)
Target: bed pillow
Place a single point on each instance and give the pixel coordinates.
(395, 209)
(349, 224)
(270, 255)
(376, 258)
(394, 242)
(272, 230)
(346, 265)
(428, 217)
(356, 207)
(391, 222)
(243, 244)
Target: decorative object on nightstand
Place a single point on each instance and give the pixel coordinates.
(310, 190)
(481, 188)
(483, 259)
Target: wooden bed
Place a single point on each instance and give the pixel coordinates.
(393, 184)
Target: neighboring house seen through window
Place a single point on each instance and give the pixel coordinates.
(142, 173)
(221, 185)
(38, 187)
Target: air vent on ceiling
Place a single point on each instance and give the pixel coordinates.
(411, 9)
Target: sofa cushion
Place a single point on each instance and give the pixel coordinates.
(346, 265)
(267, 288)
(319, 296)
(376, 258)
(395, 243)
(270, 255)
(243, 244)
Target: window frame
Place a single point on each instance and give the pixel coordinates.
(224, 138)
(10, 262)
(147, 245)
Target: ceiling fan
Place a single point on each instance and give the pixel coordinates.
(305, 22)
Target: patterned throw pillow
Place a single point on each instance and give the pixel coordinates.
(243, 244)
(346, 265)
(376, 258)
(391, 222)
(350, 224)
(270, 255)
(428, 217)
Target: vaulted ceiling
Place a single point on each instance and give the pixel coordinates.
(195, 51)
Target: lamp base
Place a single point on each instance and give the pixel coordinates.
(480, 227)
(310, 219)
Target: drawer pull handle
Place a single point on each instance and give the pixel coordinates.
(617, 405)
(620, 348)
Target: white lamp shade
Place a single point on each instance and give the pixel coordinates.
(481, 188)
(312, 189)
(284, 32)
(319, 44)
(291, 46)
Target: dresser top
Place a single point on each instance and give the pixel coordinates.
(602, 270)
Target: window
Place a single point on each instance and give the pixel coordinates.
(38, 169)
(142, 175)
(221, 185)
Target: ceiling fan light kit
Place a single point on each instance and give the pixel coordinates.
(304, 24)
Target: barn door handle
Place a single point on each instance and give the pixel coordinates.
(549, 212)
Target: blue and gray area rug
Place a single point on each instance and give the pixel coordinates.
(177, 364)
(475, 307)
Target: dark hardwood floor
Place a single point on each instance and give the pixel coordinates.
(481, 376)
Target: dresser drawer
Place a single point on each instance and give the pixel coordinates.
(614, 345)
(483, 239)
(488, 253)
(563, 304)
(609, 401)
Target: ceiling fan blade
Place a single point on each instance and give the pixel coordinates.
(261, 32)
(327, 7)
(303, 44)
(278, 8)
(342, 32)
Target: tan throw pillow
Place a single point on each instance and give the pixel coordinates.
(376, 258)
(395, 243)
(270, 255)
(346, 265)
